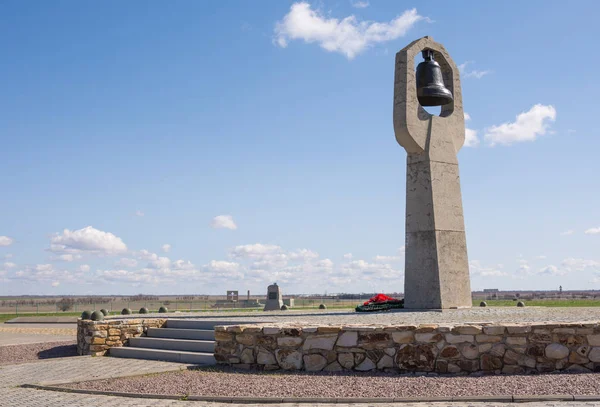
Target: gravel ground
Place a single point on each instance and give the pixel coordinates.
(227, 382)
(489, 314)
(13, 354)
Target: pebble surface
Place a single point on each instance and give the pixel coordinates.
(399, 317)
(13, 354)
(226, 382)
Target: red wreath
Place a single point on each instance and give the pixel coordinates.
(380, 299)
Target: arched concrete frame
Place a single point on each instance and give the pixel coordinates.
(412, 123)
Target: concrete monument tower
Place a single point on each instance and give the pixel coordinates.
(436, 265)
(274, 298)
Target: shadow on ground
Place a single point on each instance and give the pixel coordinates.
(58, 352)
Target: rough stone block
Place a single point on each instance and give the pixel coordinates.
(518, 329)
(329, 329)
(265, 357)
(469, 350)
(289, 342)
(245, 339)
(403, 337)
(223, 336)
(346, 360)
(494, 330)
(489, 338)
(289, 359)
(314, 362)
(467, 330)
(428, 337)
(594, 355)
(326, 342)
(451, 338)
(348, 339)
(516, 340)
(366, 365)
(556, 351)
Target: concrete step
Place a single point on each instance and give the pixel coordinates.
(197, 358)
(173, 344)
(176, 333)
(199, 323)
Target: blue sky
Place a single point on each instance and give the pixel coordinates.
(195, 147)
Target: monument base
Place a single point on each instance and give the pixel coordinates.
(273, 305)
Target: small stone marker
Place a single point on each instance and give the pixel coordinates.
(274, 298)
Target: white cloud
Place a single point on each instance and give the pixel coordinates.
(553, 271)
(87, 240)
(255, 251)
(471, 74)
(46, 272)
(126, 262)
(8, 256)
(55, 284)
(567, 232)
(166, 248)
(347, 36)
(139, 213)
(6, 241)
(360, 4)
(387, 259)
(84, 268)
(224, 269)
(303, 254)
(471, 139)
(325, 264)
(67, 257)
(575, 264)
(348, 256)
(223, 222)
(9, 265)
(160, 263)
(134, 277)
(476, 269)
(593, 231)
(541, 257)
(527, 126)
(524, 269)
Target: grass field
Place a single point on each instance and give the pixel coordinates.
(541, 303)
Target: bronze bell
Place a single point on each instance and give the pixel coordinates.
(430, 83)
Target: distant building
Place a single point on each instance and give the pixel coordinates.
(491, 290)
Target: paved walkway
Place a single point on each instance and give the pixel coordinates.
(20, 334)
(88, 368)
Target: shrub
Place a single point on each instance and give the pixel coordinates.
(65, 304)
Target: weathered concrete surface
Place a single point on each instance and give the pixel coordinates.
(436, 263)
(274, 298)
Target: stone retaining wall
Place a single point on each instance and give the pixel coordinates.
(460, 349)
(96, 337)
